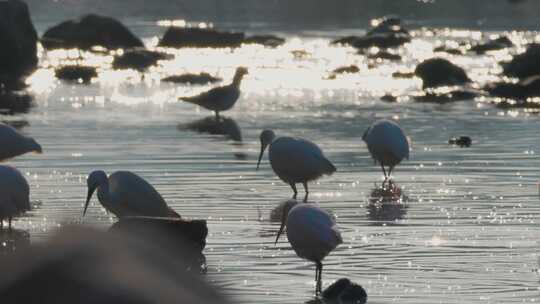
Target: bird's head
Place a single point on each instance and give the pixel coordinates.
(95, 179)
(266, 137)
(34, 146)
(241, 71)
(287, 206)
(238, 75)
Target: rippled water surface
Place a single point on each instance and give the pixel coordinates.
(466, 230)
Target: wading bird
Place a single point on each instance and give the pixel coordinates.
(221, 98)
(14, 194)
(387, 144)
(294, 160)
(126, 194)
(13, 143)
(312, 233)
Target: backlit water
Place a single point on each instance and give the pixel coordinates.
(466, 231)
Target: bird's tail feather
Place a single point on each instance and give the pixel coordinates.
(329, 168)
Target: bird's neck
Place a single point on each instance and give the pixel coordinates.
(104, 195)
(237, 80)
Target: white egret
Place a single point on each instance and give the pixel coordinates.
(222, 98)
(13, 143)
(387, 144)
(312, 233)
(126, 194)
(14, 194)
(294, 160)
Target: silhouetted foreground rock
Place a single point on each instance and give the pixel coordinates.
(86, 267)
(345, 291)
(528, 87)
(15, 102)
(76, 73)
(201, 78)
(179, 37)
(436, 72)
(88, 31)
(524, 65)
(18, 43)
(138, 59)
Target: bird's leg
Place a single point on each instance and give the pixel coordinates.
(390, 170)
(9, 223)
(384, 171)
(318, 288)
(217, 115)
(293, 186)
(307, 191)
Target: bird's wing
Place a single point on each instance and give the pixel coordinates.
(317, 157)
(136, 196)
(207, 97)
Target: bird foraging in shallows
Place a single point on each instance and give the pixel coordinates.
(387, 144)
(13, 143)
(14, 194)
(222, 98)
(312, 233)
(126, 194)
(294, 160)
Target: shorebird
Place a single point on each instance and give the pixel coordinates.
(312, 233)
(126, 194)
(14, 194)
(222, 98)
(294, 160)
(13, 143)
(387, 144)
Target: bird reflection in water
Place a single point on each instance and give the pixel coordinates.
(386, 204)
(12, 240)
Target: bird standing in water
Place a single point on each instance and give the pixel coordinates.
(312, 233)
(126, 194)
(14, 194)
(294, 160)
(387, 144)
(221, 98)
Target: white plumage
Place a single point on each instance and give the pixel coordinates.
(14, 194)
(13, 143)
(312, 233)
(222, 98)
(387, 144)
(126, 194)
(295, 160)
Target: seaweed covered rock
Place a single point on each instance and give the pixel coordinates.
(76, 73)
(190, 78)
(524, 65)
(436, 72)
(138, 59)
(179, 37)
(18, 43)
(88, 31)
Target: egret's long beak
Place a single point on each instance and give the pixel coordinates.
(283, 219)
(88, 197)
(263, 147)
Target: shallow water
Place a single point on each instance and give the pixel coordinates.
(466, 233)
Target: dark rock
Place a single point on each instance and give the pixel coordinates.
(449, 50)
(347, 40)
(350, 69)
(531, 85)
(385, 55)
(15, 102)
(139, 59)
(345, 291)
(453, 96)
(76, 73)
(436, 72)
(387, 24)
(506, 90)
(405, 75)
(462, 141)
(492, 45)
(266, 40)
(18, 44)
(381, 40)
(389, 98)
(88, 31)
(201, 78)
(518, 104)
(524, 65)
(179, 37)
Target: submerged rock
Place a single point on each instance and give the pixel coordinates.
(524, 65)
(448, 50)
(384, 55)
(88, 31)
(179, 37)
(18, 44)
(201, 78)
(350, 69)
(462, 141)
(492, 45)
(436, 72)
(76, 73)
(139, 59)
(453, 96)
(266, 40)
(389, 98)
(345, 291)
(405, 75)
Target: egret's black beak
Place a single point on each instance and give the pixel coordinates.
(263, 147)
(88, 197)
(283, 219)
